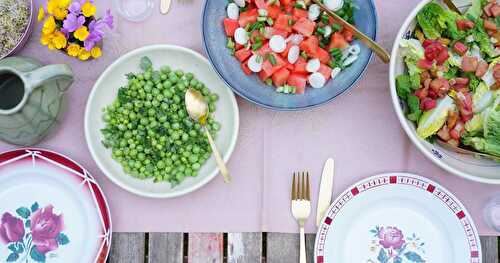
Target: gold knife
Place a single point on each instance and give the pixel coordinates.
(325, 190)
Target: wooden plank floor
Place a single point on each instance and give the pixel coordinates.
(231, 248)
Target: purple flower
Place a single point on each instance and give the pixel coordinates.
(391, 237)
(75, 8)
(108, 19)
(97, 30)
(73, 22)
(65, 32)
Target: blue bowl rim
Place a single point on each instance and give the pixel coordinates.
(277, 108)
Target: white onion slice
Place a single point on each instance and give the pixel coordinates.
(334, 5)
(335, 72)
(317, 80)
(349, 60)
(277, 43)
(255, 63)
(295, 39)
(328, 31)
(354, 50)
(240, 3)
(240, 36)
(313, 65)
(293, 54)
(314, 12)
(233, 11)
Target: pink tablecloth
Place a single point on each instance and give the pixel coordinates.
(359, 129)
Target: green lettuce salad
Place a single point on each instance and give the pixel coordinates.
(451, 84)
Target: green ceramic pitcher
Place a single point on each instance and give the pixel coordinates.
(31, 98)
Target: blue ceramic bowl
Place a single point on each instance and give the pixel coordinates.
(253, 89)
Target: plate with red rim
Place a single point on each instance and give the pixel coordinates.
(400, 218)
(52, 210)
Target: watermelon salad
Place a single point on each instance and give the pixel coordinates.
(451, 84)
(290, 44)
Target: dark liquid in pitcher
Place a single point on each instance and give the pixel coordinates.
(11, 90)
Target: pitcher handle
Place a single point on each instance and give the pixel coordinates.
(39, 76)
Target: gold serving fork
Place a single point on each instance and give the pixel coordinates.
(301, 206)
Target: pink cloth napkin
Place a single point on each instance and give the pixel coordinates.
(359, 129)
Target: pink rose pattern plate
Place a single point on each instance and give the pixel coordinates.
(397, 218)
(52, 210)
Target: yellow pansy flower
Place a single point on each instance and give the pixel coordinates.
(88, 9)
(63, 3)
(51, 46)
(96, 52)
(41, 13)
(46, 39)
(81, 33)
(59, 40)
(51, 6)
(84, 54)
(73, 50)
(60, 13)
(49, 26)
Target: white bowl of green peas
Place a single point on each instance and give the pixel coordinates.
(137, 128)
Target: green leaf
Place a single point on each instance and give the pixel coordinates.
(473, 81)
(146, 63)
(414, 257)
(23, 212)
(482, 38)
(37, 256)
(12, 257)
(403, 86)
(12, 247)
(398, 260)
(62, 239)
(432, 20)
(27, 224)
(20, 248)
(451, 73)
(35, 205)
(414, 111)
(130, 76)
(382, 256)
(432, 120)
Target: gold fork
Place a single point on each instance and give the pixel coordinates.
(301, 206)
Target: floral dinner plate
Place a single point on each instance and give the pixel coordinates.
(51, 210)
(397, 218)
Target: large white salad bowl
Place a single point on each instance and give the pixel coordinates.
(479, 170)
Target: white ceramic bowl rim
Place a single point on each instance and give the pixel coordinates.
(100, 164)
(402, 118)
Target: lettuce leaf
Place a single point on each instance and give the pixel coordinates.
(475, 124)
(452, 31)
(414, 111)
(482, 38)
(432, 19)
(431, 121)
(482, 98)
(412, 51)
(476, 9)
(490, 141)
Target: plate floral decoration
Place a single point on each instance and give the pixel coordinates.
(71, 26)
(389, 245)
(32, 233)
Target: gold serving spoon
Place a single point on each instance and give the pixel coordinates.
(465, 151)
(452, 6)
(380, 51)
(197, 109)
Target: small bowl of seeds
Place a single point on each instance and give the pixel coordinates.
(16, 25)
